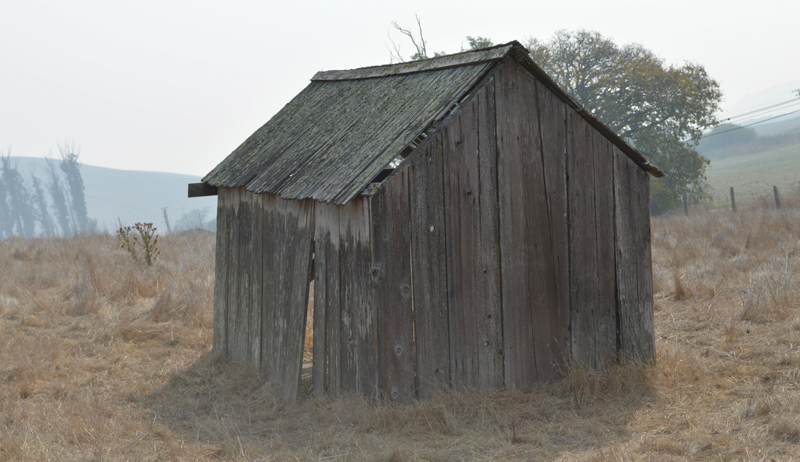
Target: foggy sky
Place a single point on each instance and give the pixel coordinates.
(176, 85)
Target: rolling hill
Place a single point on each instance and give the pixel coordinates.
(128, 196)
(753, 175)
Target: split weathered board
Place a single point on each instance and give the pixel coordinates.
(322, 243)
(326, 368)
(552, 129)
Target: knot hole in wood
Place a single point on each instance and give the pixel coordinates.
(405, 290)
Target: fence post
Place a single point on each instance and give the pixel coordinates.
(733, 200)
(685, 205)
(777, 198)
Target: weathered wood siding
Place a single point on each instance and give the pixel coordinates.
(345, 338)
(391, 274)
(429, 268)
(633, 260)
(470, 210)
(531, 303)
(263, 269)
(516, 239)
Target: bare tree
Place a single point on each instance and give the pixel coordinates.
(420, 46)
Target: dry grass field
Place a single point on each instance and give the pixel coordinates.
(102, 360)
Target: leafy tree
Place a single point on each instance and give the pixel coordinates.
(478, 42)
(59, 200)
(725, 136)
(42, 212)
(72, 171)
(659, 109)
(20, 204)
(193, 219)
(6, 225)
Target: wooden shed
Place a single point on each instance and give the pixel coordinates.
(467, 225)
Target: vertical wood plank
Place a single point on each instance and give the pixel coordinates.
(552, 127)
(289, 230)
(233, 275)
(256, 258)
(300, 231)
(647, 336)
(633, 266)
(624, 226)
(459, 219)
(530, 299)
(334, 347)
(359, 352)
(244, 258)
(605, 316)
(322, 242)
(489, 313)
(429, 270)
(391, 275)
(472, 268)
(272, 244)
(512, 137)
(582, 239)
(221, 270)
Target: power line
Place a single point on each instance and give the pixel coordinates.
(793, 100)
(750, 125)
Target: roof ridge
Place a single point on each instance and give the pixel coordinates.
(439, 62)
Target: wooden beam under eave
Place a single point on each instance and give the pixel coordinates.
(201, 190)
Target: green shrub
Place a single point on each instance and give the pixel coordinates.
(147, 239)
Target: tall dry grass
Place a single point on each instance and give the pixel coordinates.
(103, 360)
(81, 328)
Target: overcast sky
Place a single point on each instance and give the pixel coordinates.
(175, 86)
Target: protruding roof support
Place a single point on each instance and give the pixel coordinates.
(201, 190)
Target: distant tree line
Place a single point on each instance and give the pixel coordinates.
(25, 209)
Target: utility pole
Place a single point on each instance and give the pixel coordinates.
(166, 219)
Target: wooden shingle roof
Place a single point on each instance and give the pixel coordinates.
(346, 127)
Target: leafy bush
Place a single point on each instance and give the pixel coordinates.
(662, 199)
